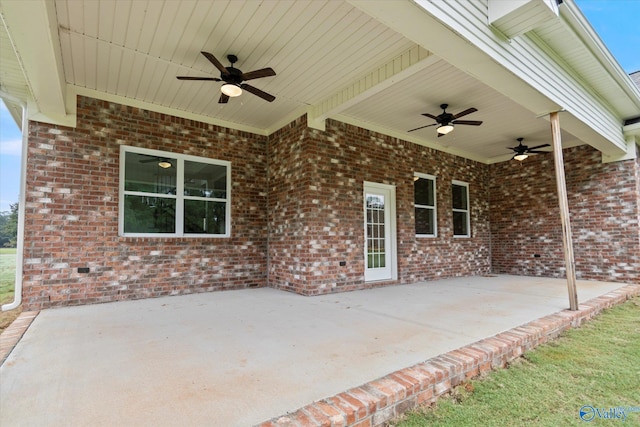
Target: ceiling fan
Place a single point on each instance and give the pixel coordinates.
(446, 121)
(233, 79)
(523, 151)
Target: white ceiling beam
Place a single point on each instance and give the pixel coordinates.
(33, 29)
(384, 76)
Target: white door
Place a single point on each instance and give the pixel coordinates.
(379, 232)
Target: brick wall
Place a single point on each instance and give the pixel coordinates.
(316, 208)
(604, 209)
(288, 183)
(297, 211)
(72, 211)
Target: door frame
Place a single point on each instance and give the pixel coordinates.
(391, 237)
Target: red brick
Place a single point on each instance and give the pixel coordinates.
(360, 407)
(525, 223)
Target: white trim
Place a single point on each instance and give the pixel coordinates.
(434, 207)
(32, 27)
(390, 231)
(467, 211)
(632, 150)
(179, 197)
(579, 23)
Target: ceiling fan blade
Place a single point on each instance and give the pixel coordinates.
(215, 62)
(256, 74)
(214, 79)
(258, 92)
(537, 151)
(431, 116)
(465, 112)
(467, 122)
(539, 146)
(223, 99)
(422, 127)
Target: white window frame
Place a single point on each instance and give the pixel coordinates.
(179, 196)
(466, 211)
(434, 208)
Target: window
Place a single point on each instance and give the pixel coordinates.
(166, 194)
(460, 198)
(424, 202)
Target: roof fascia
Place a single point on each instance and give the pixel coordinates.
(33, 29)
(576, 20)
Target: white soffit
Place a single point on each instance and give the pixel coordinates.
(32, 28)
(12, 80)
(516, 17)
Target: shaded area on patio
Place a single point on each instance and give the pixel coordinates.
(241, 357)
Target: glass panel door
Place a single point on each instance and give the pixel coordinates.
(379, 232)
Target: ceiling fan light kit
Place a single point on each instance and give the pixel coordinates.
(520, 157)
(445, 129)
(231, 90)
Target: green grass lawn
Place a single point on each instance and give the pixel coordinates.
(7, 279)
(597, 365)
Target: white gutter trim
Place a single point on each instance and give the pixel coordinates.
(583, 29)
(17, 296)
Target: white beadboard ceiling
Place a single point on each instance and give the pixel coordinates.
(135, 49)
(132, 50)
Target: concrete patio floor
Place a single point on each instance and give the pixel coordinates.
(239, 358)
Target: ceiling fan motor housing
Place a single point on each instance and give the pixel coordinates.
(233, 76)
(445, 118)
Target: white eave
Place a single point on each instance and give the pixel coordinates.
(620, 91)
(32, 29)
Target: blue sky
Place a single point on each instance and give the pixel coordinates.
(10, 150)
(616, 21)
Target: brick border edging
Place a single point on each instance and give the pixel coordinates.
(376, 402)
(10, 336)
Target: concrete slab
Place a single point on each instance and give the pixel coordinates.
(238, 358)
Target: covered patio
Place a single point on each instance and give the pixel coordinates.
(313, 181)
(243, 357)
